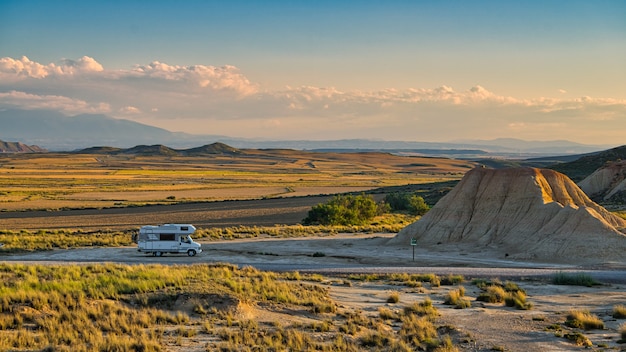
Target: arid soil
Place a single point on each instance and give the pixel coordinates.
(483, 327)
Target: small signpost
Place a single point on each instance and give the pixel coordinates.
(413, 244)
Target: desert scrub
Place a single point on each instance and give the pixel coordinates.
(583, 319)
(619, 311)
(517, 299)
(622, 333)
(116, 307)
(574, 279)
(578, 339)
(457, 298)
(394, 297)
(492, 294)
(450, 279)
(422, 309)
(382, 225)
(509, 293)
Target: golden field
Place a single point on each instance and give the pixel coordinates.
(53, 181)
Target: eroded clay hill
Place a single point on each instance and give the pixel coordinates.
(521, 213)
(607, 184)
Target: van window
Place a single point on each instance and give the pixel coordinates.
(168, 237)
(184, 228)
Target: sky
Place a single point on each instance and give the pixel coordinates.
(432, 71)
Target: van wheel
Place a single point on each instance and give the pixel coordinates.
(191, 252)
(158, 254)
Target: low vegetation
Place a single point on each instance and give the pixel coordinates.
(583, 319)
(108, 307)
(24, 240)
(574, 279)
(508, 293)
(344, 210)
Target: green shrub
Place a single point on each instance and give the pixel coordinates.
(343, 210)
(409, 202)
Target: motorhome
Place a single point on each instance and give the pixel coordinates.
(167, 238)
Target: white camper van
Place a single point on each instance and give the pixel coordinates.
(168, 238)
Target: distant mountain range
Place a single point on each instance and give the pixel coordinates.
(158, 149)
(17, 147)
(57, 132)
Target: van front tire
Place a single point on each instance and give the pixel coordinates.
(158, 254)
(191, 252)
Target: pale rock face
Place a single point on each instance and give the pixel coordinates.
(606, 182)
(527, 213)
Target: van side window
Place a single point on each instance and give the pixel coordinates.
(168, 237)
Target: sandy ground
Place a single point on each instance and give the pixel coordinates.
(483, 327)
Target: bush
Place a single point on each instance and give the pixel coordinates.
(576, 279)
(343, 210)
(410, 202)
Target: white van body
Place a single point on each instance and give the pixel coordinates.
(168, 238)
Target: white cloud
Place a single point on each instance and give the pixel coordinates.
(23, 68)
(23, 100)
(221, 100)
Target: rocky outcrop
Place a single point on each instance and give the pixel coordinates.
(607, 184)
(18, 147)
(523, 213)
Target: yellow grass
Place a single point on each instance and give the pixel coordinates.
(39, 181)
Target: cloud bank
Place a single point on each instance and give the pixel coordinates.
(221, 100)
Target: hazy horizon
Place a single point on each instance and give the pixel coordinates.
(283, 70)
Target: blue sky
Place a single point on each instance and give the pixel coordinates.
(395, 70)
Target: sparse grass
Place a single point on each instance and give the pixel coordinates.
(115, 307)
(574, 279)
(583, 319)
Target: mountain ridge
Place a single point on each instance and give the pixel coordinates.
(54, 131)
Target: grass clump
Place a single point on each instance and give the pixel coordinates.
(578, 339)
(492, 294)
(457, 298)
(509, 293)
(394, 297)
(574, 279)
(583, 319)
(424, 308)
(622, 333)
(619, 311)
